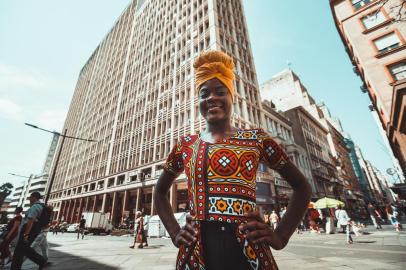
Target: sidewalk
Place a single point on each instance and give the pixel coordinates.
(384, 249)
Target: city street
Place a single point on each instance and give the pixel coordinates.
(384, 249)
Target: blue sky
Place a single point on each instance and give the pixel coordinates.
(44, 44)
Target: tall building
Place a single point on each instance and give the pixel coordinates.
(374, 35)
(280, 127)
(341, 157)
(312, 136)
(369, 170)
(135, 96)
(310, 128)
(361, 177)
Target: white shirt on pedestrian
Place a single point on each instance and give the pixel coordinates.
(342, 217)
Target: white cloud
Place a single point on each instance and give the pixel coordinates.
(10, 110)
(12, 78)
(51, 119)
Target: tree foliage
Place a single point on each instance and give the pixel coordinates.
(5, 190)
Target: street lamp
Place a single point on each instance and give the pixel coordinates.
(23, 176)
(51, 181)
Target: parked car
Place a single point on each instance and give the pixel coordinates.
(73, 227)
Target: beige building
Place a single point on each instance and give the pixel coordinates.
(310, 128)
(135, 96)
(280, 127)
(375, 39)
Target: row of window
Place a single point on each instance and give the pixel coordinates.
(386, 43)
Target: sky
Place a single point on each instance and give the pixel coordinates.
(44, 44)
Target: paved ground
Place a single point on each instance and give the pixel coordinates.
(384, 249)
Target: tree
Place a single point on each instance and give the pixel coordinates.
(5, 190)
(398, 9)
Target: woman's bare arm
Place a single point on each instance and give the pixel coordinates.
(179, 236)
(298, 202)
(259, 232)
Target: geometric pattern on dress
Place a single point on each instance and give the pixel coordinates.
(252, 258)
(219, 182)
(246, 134)
(229, 206)
(233, 164)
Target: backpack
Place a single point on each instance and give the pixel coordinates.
(46, 216)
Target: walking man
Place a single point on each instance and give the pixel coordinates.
(372, 214)
(29, 230)
(82, 225)
(344, 221)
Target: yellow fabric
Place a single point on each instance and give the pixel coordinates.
(215, 64)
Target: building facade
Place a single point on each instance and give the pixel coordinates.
(310, 128)
(361, 177)
(312, 136)
(374, 35)
(280, 127)
(21, 193)
(135, 96)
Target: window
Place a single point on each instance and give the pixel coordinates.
(387, 42)
(398, 70)
(373, 19)
(357, 4)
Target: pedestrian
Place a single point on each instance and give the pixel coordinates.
(139, 231)
(9, 235)
(224, 229)
(29, 229)
(392, 216)
(282, 212)
(41, 244)
(267, 219)
(274, 219)
(56, 228)
(82, 225)
(372, 213)
(344, 221)
(314, 218)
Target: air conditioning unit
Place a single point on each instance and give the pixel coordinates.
(363, 88)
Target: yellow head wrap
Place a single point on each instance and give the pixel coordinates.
(215, 64)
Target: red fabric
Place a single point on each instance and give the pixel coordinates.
(221, 186)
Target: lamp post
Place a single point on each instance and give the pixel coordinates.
(63, 135)
(23, 176)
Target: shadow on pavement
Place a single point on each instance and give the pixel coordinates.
(364, 242)
(65, 261)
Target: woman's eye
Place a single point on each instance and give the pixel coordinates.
(221, 92)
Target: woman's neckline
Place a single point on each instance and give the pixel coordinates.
(224, 139)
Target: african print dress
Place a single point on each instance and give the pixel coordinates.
(221, 187)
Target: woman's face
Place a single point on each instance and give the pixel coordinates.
(215, 101)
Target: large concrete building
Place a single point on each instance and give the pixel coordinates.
(374, 35)
(135, 96)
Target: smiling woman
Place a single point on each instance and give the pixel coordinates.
(224, 230)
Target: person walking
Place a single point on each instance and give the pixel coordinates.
(9, 236)
(372, 213)
(224, 229)
(82, 225)
(139, 231)
(343, 220)
(392, 216)
(29, 229)
(274, 220)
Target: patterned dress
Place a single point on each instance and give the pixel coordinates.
(221, 187)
